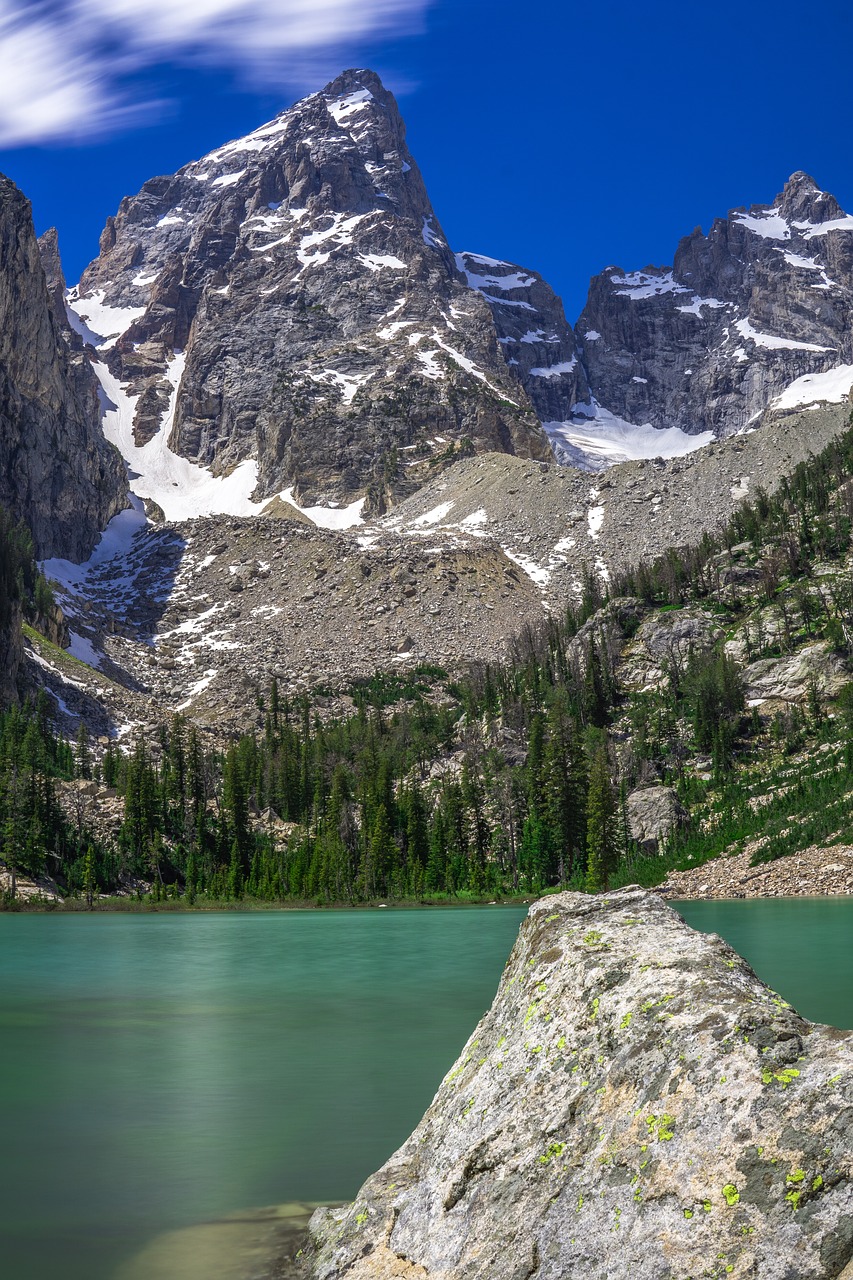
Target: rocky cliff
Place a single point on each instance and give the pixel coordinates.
(757, 312)
(57, 473)
(291, 300)
(635, 1103)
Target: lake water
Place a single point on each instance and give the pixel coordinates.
(161, 1070)
(802, 947)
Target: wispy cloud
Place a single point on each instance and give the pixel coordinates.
(71, 69)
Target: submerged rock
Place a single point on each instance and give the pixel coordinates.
(636, 1103)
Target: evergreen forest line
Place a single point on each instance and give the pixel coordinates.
(510, 781)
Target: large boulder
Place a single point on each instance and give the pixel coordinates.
(653, 814)
(789, 678)
(636, 1103)
(665, 643)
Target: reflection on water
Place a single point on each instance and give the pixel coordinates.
(262, 1245)
(163, 1071)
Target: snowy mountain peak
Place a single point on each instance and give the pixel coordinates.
(801, 200)
(289, 303)
(757, 314)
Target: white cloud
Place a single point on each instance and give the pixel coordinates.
(65, 65)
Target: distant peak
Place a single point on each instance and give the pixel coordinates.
(799, 180)
(802, 200)
(354, 79)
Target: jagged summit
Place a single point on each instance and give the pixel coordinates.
(801, 200)
(756, 314)
(287, 308)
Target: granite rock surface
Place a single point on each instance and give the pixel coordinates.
(635, 1103)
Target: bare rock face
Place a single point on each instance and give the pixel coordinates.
(538, 345)
(763, 300)
(296, 289)
(57, 473)
(635, 1103)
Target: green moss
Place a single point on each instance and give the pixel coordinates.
(731, 1194)
(553, 1152)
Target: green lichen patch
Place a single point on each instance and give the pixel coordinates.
(661, 1127)
(784, 1077)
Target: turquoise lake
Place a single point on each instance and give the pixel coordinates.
(163, 1070)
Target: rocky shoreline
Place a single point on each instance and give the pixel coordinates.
(818, 872)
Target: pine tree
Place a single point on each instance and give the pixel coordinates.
(602, 835)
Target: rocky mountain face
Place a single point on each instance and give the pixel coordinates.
(291, 300)
(757, 313)
(11, 653)
(57, 473)
(635, 1102)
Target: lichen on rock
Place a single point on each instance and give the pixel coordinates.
(635, 1103)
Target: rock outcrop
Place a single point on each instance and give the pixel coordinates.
(635, 1103)
(653, 814)
(57, 472)
(763, 301)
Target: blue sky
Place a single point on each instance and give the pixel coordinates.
(560, 136)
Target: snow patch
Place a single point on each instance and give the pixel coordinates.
(596, 438)
(345, 106)
(436, 515)
(771, 343)
(81, 647)
(96, 322)
(329, 517)
(831, 387)
(431, 237)
(534, 571)
(595, 519)
(694, 308)
(376, 261)
(812, 229)
(554, 370)
(513, 280)
(646, 284)
(391, 330)
(770, 225)
(181, 488)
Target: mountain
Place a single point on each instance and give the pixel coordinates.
(288, 307)
(286, 315)
(757, 313)
(57, 473)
